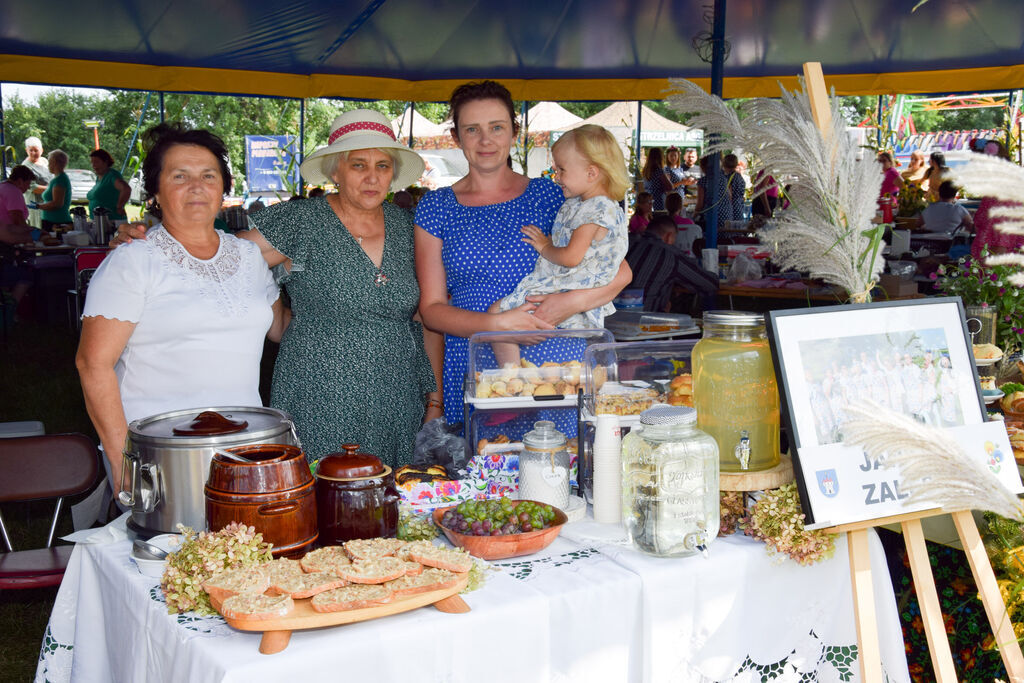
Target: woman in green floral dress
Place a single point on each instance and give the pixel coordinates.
(352, 366)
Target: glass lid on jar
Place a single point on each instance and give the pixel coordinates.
(544, 435)
(734, 318)
(668, 415)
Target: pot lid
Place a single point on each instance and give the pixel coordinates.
(350, 464)
(263, 424)
(209, 423)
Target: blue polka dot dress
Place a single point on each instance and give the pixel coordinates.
(484, 258)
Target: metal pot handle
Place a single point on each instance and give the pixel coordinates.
(295, 434)
(149, 505)
(127, 497)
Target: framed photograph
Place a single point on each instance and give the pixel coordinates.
(912, 357)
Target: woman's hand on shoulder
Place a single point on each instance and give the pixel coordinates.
(126, 232)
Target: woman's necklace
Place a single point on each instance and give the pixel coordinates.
(379, 278)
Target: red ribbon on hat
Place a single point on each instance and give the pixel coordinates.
(361, 125)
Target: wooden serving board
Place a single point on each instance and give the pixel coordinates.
(277, 632)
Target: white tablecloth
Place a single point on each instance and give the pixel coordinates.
(587, 608)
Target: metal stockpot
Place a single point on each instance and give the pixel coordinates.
(167, 461)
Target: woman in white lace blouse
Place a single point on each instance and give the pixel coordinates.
(177, 320)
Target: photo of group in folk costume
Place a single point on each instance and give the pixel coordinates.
(907, 372)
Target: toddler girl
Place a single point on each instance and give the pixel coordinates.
(588, 239)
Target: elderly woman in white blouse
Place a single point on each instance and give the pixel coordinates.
(177, 320)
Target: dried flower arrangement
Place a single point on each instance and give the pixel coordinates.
(828, 229)
(776, 518)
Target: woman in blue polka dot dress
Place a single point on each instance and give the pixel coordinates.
(469, 243)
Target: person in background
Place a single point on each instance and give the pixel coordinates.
(34, 161)
(687, 231)
(705, 195)
(676, 172)
(934, 176)
(643, 210)
(14, 230)
(403, 199)
(735, 187)
(658, 267)
(14, 227)
(916, 170)
(316, 192)
(656, 181)
(255, 207)
(767, 195)
(110, 191)
(946, 215)
(56, 198)
(892, 182)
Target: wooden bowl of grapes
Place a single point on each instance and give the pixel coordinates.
(500, 528)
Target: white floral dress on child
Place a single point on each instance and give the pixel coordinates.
(598, 267)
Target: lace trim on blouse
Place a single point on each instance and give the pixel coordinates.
(217, 278)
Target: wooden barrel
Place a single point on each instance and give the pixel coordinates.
(274, 494)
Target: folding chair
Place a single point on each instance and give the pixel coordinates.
(38, 468)
(87, 260)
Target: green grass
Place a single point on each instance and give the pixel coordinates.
(38, 374)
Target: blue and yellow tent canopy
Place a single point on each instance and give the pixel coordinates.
(542, 49)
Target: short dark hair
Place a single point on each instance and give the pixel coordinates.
(939, 158)
(21, 173)
(947, 190)
(661, 226)
(103, 155)
(162, 137)
(480, 90)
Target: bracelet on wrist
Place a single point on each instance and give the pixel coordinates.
(434, 403)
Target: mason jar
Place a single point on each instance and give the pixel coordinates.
(670, 483)
(544, 466)
(734, 390)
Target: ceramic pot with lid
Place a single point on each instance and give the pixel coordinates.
(274, 494)
(167, 460)
(355, 497)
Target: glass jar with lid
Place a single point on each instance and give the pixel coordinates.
(670, 483)
(734, 390)
(544, 466)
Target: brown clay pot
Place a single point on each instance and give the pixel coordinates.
(275, 494)
(355, 497)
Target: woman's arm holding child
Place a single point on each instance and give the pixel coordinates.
(571, 254)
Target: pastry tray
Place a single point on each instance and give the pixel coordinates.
(277, 632)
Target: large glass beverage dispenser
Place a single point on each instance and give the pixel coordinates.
(734, 390)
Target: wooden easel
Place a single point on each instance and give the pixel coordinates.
(924, 583)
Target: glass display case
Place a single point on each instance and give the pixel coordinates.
(515, 379)
(626, 378)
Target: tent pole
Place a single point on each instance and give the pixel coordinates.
(715, 167)
(412, 115)
(637, 148)
(302, 141)
(3, 144)
(526, 139)
(162, 110)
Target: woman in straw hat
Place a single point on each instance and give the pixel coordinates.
(352, 366)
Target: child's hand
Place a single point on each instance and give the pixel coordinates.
(535, 238)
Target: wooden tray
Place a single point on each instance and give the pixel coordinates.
(277, 632)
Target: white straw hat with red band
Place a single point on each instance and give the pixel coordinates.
(362, 129)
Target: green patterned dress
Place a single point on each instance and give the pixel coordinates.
(352, 368)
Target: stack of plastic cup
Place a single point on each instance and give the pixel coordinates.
(608, 470)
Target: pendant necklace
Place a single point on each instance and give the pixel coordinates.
(379, 278)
